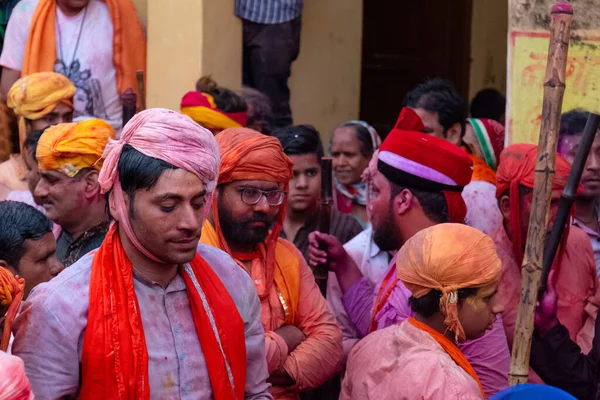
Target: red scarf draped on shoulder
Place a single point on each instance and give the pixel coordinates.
(115, 357)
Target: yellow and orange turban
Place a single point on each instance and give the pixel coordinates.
(70, 147)
(12, 289)
(448, 257)
(517, 168)
(201, 107)
(36, 95)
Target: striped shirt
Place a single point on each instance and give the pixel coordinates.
(268, 11)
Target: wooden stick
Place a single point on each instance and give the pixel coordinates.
(321, 271)
(141, 89)
(554, 88)
(568, 197)
(129, 100)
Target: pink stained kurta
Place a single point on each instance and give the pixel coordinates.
(403, 362)
(319, 356)
(50, 329)
(373, 264)
(489, 355)
(12, 173)
(576, 284)
(482, 207)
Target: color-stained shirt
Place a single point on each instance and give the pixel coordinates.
(373, 264)
(25, 196)
(403, 362)
(84, 50)
(489, 355)
(268, 11)
(342, 226)
(319, 356)
(50, 329)
(594, 241)
(576, 285)
(482, 207)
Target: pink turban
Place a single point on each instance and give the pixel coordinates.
(168, 136)
(14, 384)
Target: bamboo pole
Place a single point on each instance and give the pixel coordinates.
(554, 87)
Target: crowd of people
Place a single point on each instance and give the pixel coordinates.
(174, 255)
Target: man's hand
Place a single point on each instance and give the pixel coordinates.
(335, 256)
(545, 313)
(291, 335)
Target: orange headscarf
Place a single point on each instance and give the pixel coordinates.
(517, 168)
(448, 257)
(70, 147)
(36, 95)
(12, 290)
(249, 155)
(129, 44)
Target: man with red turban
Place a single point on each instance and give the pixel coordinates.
(574, 267)
(151, 314)
(417, 185)
(303, 342)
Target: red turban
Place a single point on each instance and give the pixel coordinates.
(413, 159)
(517, 168)
(250, 155)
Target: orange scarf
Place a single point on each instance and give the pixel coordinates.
(286, 274)
(129, 44)
(11, 293)
(450, 348)
(481, 171)
(115, 358)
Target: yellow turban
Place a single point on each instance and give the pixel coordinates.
(36, 95)
(448, 257)
(70, 147)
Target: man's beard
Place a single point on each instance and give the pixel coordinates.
(239, 232)
(386, 235)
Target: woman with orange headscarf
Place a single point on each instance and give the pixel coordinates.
(452, 271)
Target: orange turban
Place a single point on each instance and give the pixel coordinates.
(68, 148)
(448, 257)
(250, 155)
(11, 293)
(517, 168)
(36, 95)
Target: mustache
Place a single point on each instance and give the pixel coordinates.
(258, 217)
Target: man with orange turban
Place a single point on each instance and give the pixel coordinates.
(69, 161)
(452, 272)
(97, 44)
(152, 314)
(417, 184)
(303, 342)
(574, 267)
(39, 100)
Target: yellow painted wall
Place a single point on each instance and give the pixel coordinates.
(325, 82)
(188, 39)
(489, 29)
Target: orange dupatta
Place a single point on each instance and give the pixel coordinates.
(450, 348)
(129, 44)
(115, 358)
(286, 274)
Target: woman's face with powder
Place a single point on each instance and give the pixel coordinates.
(478, 313)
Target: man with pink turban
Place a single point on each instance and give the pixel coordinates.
(151, 314)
